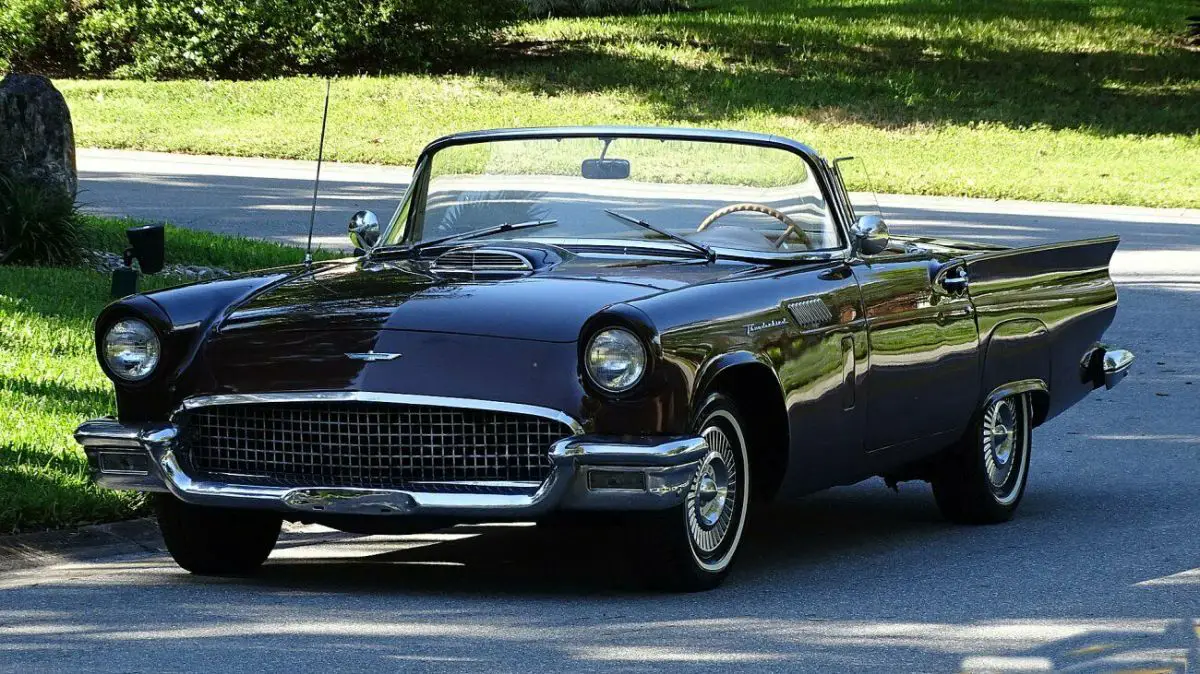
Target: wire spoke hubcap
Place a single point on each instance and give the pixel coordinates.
(713, 496)
(1003, 446)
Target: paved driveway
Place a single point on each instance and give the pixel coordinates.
(1099, 571)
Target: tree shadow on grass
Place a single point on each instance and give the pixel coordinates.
(71, 294)
(60, 398)
(43, 479)
(832, 71)
(37, 492)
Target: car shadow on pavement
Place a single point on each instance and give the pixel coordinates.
(853, 579)
(524, 558)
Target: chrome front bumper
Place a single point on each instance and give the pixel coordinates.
(648, 474)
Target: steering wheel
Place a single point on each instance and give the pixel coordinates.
(791, 226)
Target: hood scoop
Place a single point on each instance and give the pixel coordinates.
(491, 262)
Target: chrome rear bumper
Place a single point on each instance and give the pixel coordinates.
(590, 473)
(1116, 366)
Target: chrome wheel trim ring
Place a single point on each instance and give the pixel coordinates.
(1005, 446)
(713, 546)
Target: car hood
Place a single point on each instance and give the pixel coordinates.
(547, 305)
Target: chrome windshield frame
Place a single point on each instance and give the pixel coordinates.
(816, 164)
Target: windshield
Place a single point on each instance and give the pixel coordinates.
(595, 190)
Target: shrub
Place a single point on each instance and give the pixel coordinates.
(38, 225)
(244, 38)
(37, 34)
(541, 8)
(257, 38)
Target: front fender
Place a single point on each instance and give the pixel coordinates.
(182, 316)
(714, 367)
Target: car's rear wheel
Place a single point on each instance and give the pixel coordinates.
(981, 479)
(216, 541)
(692, 546)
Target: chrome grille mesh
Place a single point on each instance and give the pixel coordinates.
(366, 444)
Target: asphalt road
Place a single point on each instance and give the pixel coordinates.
(1100, 571)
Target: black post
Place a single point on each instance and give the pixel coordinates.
(125, 279)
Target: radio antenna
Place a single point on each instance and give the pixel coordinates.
(312, 216)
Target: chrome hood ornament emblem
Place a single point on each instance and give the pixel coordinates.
(371, 356)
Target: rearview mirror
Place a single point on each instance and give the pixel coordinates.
(870, 235)
(364, 230)
(605, 169)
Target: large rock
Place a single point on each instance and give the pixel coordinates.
(37, 141)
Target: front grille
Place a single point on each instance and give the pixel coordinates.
(375, 445)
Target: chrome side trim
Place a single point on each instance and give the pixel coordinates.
(1116, 366)
(1007, 252)
(372, 357)
(370, 396)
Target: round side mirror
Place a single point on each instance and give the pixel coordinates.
(870, 235)
(364, 230)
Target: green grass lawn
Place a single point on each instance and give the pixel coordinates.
(50, 381)
(1066, 100)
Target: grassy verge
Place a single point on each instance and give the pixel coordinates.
(1070, 100)
(49, 379)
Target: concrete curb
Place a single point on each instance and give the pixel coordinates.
(26, 551)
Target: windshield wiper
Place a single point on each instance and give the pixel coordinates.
(699, 247)
(466, 236)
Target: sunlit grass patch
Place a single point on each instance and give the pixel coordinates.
(50, 381)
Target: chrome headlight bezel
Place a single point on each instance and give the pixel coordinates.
(140, 338)
(619, 342)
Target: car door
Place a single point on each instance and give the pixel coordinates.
(822, 356)
(922, 382)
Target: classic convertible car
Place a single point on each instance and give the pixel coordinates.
(666, 325)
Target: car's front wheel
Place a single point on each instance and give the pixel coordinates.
(216, 541)
(981, 480)
(693, 545)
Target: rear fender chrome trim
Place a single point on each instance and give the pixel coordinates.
(373, 397)
(1013, 388)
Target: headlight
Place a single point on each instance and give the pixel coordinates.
(131, 349)
(615, 359)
